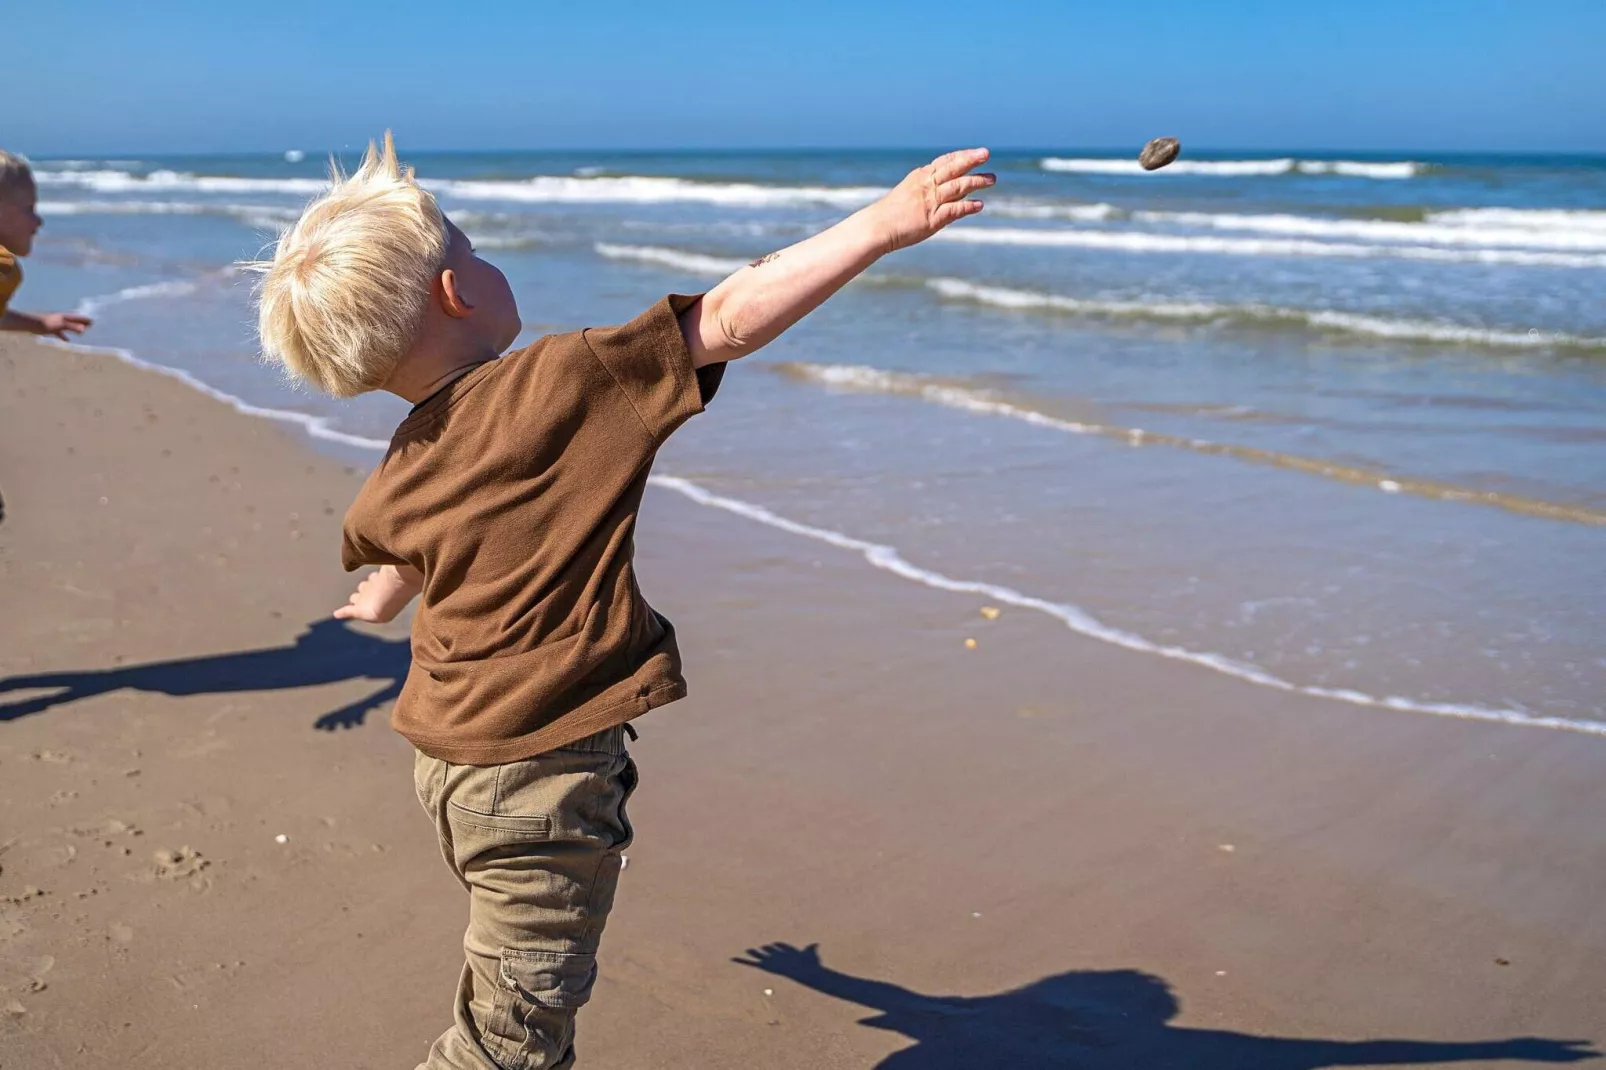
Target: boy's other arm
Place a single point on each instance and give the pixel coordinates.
(382, 594)
(754, 306)
(60, 324)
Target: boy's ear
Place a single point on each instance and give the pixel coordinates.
(454, 302)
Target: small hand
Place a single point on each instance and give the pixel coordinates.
(931, 197)
(381, 595)
(1540, 1050)
(62, 324)
(784, 959)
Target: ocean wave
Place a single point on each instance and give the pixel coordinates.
(1024, 209)
(651, 189)
(1566, 220)
(1284, 165)
(1354, 323)
(880, 556)
(678, 259)
(1080, 621)
(264, 216)
(1463, 228)
(958, 395)
(1144, 242)
(539, 189)
(105, 181)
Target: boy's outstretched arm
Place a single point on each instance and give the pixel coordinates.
(60, 324)
(753, 307)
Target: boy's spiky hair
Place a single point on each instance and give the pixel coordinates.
(345, 293)
(15, 173)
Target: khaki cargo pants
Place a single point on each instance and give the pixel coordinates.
(537, 844)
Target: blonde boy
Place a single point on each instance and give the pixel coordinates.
(508, 500)
(19, 222)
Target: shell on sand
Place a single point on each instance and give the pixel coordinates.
(1159, 152)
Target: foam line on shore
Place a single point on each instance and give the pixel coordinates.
(877, 555)
(315, 426)
(1078, 620)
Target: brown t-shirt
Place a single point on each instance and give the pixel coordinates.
(514, 490)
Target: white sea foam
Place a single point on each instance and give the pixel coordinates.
(540, 189)
(678, 259)
(1446, 228)
(1360, 169)
(1238, 168)
(1567, 220)
(265, 216)
(1022, 209)
(1220, 168)
(651, 189)
(1206, 312)
(105, 181)
(1079, 620)
(878, 555)
(1143, 242)
(315, 426)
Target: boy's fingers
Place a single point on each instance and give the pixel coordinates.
(345, 613)
(956, 210)
(954, 164)
(959, 187)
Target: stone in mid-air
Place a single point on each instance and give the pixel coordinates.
(1159, 152)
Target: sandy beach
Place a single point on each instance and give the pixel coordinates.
(1041, 851)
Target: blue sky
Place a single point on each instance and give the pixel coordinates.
(94, 76)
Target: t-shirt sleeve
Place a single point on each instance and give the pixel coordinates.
(358, 550)
(649, 360)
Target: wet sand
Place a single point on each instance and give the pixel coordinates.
(1042, 851)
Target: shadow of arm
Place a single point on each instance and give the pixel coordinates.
(1396, 1052)
(353, 715)
(803, 966)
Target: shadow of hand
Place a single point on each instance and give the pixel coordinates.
(341, 719)
(783, 959)
(1540, 1050)
(354, 714)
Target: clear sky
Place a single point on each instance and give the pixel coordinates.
(108, 76)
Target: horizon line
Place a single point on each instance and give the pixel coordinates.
(1102, 150)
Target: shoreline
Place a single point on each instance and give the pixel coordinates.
(1075, 618)
(1063, 834)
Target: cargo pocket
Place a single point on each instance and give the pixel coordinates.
(537, 993)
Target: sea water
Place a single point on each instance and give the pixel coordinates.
(1334, 423)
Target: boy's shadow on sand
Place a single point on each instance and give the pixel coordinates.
(1103, 1019)
(325, 653)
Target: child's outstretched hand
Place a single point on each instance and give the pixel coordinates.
(931, 197)
(382, 594)
(62, 324)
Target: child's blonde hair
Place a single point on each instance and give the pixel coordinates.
(346, 290)
(15, 173)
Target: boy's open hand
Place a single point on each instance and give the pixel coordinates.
(63, 324)
(931, 197)
(381, 595)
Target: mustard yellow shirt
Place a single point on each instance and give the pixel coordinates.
(10, 277)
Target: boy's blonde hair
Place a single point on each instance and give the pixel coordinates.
(346, 290)
(15, 173)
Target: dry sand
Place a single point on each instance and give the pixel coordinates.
(1040, 852)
